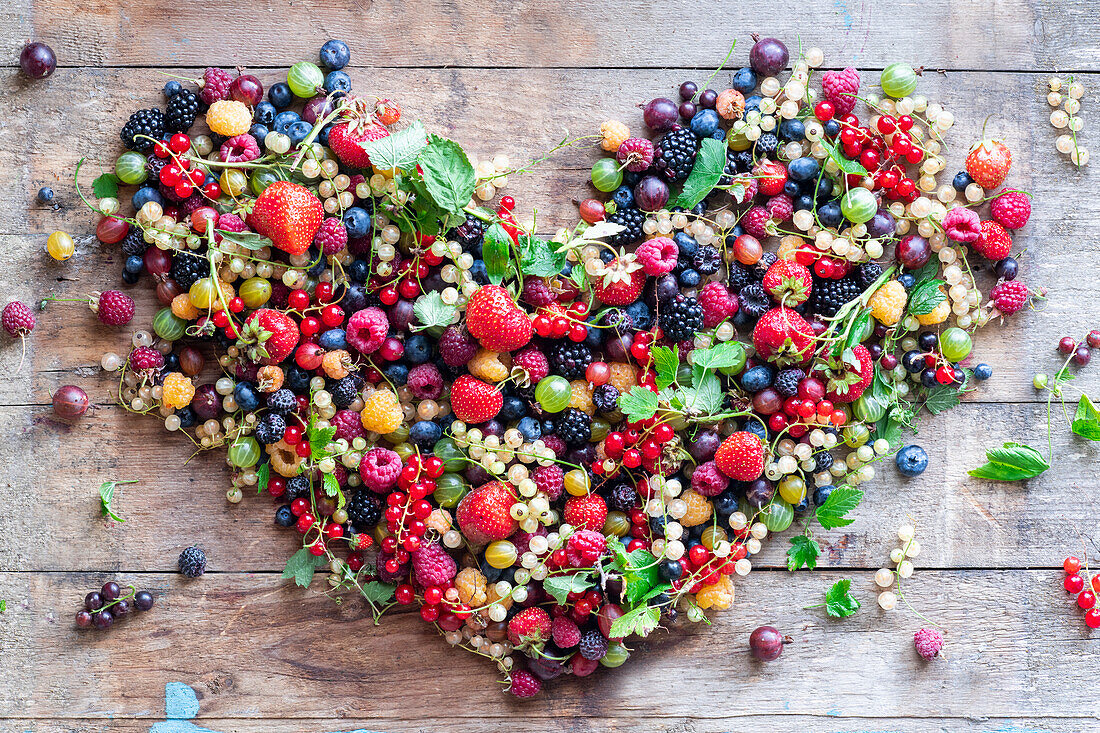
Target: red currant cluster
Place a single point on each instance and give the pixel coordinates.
(1075, 584)
(883, 150)
(406, 508)
(178, 175)
(637, 444)
(559, 321)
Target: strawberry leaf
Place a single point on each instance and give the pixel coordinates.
(1086, 421)
(846, 165)
(496, 250)
(540, 259)
(560, 586)
(941, 399)
(710, 163)
(301, 567)
(839, 601)
(398, 150)
(641, 621)
(432, 312)
(638, 404)
(378, 592)
(719, 356)
(107, 495)
(449, 177)
(926, 297)
(248, 240)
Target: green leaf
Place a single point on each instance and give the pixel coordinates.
(448, 175)
(928, 272)
(376, 591)
(856, 332)
(640, 574)
(560, 586)
(926, 296)
(846, 165)
(1086, 421)
(832, 513)
(803, 552)
(1011, 462)
(319, 440)
(496, 251)
(839, 601)
(263, 475)
(399, 149)
(705, 397)
(540, 259)
(579, 278)
(432, 312)
(889, 428)
(602, 229)
(301, 566)
(105, 186)
(640, 621)
(3, 605)
(638, 404)
(666, 362)
(248, 240)
(941, 399)
(710, 163)
(656, 591)
(331, 485)
(719, 356)
(107, 495)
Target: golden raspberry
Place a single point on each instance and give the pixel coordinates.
(490, 366)
(888, 303)
(228, 117)
(471, 585)
(337, 364)
(623, 376)
(269, 378)
(730, 104)
(580, 396)
(939, 315)
(718, 596)
(614, 133)
(788, 246)
(382, 412)
(439, 520)
(182, 307)
(698, 509)
(492, 597)
(284, 459)
(178, 391)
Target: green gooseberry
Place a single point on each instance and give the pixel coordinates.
(244, 452)
(868, 409)
(260, 180)
(955, 344)
(856, 435)
(449, 490)
(778, 515)
(446, 451)
(606, 175)
(898, 80)
(168, 325)
(304, 79)
(130, 168)
(255, 291)
(553, 393)
(616, 655)
(859, 205)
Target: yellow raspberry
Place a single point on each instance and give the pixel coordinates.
(382, 412)
(490, 366)
(492, 597)
(698, 509)
(270, 378)
(580, 396)
(888, 303)
(182, 307)
(789, 246)
(623, 376)
(939, 315)
(228, 117)
(718, 596)
(285, 460)
(178, 391)
(439, 520)
(337, 364)
(471, 586)
(614, 133)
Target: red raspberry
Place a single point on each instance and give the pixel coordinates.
(239, 149)
(1011, 209)
(718, 304)
(658, 256)
(840, 88)
(231, 223)
(114, 308)
(146, 359)
(550, 480)
(780, 207)
(524, 684)
(565, 632)
(708, 480)
(426, 382)
(755, 221)
(554, 443)
(749, 184)
(522, 540)
(191, 204)
(433, 566)
(331, 237)
(532, 361)
(18, 319)
(457, 346)
(366, 329)
(215, 85)
(348, 424)
(1010, 296)
(928, 643)
(537, 292)
(584, 548)
(586, 512)
(379, 469)
(636, 153)
(994, 242)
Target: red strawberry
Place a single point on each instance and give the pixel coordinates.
(289, 215)
(474, 401)
(1011, 209)
(347, 140)
(771, 176)
(621, 281)
(496, 321)
(484, 515)
(268, 336)
(783, 337)
(849, 375)
(741, 456)
(531, 625)
(788, 282)
(988, 163)
(994, 243)
(586, 512)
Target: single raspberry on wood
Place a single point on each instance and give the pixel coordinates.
(1010, 296)
(114, 308)
(840, 88)
(18, 319)
(928, 643)
(524, 684)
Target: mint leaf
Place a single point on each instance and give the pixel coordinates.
(1086, 421)
(710, 163)
(640, 621)
(926, 296)
(941, 399)
(105, 186)
(107, 495)
(378, 592)
(720, 356)
(399, 149)
(432, 312)
(448, 175)
(802, 553)
(848, 166)
(832, 513)
(666, 362)
(263, 475)
(638, 404)
(560, 586)
(839, 601)
(301, 566)
(1011, 462)
(539, 258)
(3, 605)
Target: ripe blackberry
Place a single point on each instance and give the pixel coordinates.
(297, 487)
(823, 460)
(766, 145)
(192, 562)
(675, 155)
(739, 277)
(593, 645)
(786, 382)
(569, 359)
(730, 170)
(364, 510)
(142, 125)
(754, 301)
(606, 398)
(760, 269)
(270, 428)
(154, 165)
(344, 391)
(707, 260)
(134, 243)
(681, 319)
(181, 111)
(282, 401)
(187, 269)
(632, 219)
(868, 273)
(829, 296)
(573, 426)
(469, 234)
(622, 497)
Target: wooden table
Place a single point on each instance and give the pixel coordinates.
(518, 77)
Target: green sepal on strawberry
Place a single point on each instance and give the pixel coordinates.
(621, 280)
(530, 628)
(475, 401)
(788, 282)
(783, 337)
(848, 375)
(988, 163)
(268, 336)
(494, 319)
(289, 215)
(741, 456)
(484, 515)
(356, 126)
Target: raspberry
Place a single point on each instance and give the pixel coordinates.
(1011, 209)
(580, 397)
(537, 292)
(433, 566)
(489, 366)
(555, 443)
(456, 346)
(718, 304)
(614, 134)
(888, 303)
(471, 586)
(708, 480)
(636, 153)
(1010, 296)
(658, 256)
(146, 359)
(840, 88)
(336, 363)
(593, 645)
(114, 308)
(550, 480)
(780, 207)
(17, 319)
(231, 223)
(524, 684)
(939, 315)
(605, 398)
(228, 117)
(962, 224)
(586, 512)
(584, 548)
(178, 391)
(379, 469)
(366, 329)
(698, 509)
(928, 643)
(623, 376)
(565, 632)
(426, 382)
(994, 242)
(239, 149)
(532, 361)
(382, 412)
(332, 237)
(755, 222)
(718, 596)
(215, 85)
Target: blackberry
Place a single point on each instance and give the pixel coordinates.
(593, 645)
(760, 269)
(681, 319)
(271, 428)
(153, 166)
(766, 145)
(739, 277)
(574, 427)
(142, 125)
(823, 460)
(744, 160)
(632, 219)
(181, 111)
(187, 269)
(297, 487)
(730, 170)
(569, 359)
(622, 497)
(192, 562)
(754, 301)
(134, 243)
(470, 233)
(364, 510)
(606, 398)
(617, 320)
(786, 383)
(675, 154)
(829, 296)
(282, 401)
(344, 391)
(707, 260)
(868, 273)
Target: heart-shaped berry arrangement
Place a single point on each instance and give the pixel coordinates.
(551, 445)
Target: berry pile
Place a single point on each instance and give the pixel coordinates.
(107, 605)
(550, 445)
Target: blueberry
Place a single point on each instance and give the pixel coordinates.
(529, 428)
(172, 88)
(757, 428)
(686, 245)
(792, 189)
(639, 313)
(752, 103)
(144, 195)
(792, 130)
(821, 494)
(297, 379)
(803, 506)
(513, 409)
(357, 222)
(265, 114)
(961, 180)
(45, 195)
(259, 132)
(248, 399)
(337, 81)
(284, 120)
(983, 372)
(757, 378)
(479, 272)
(624, 197)
(744, 81)
(417, 349)
(912, 460)
(284, 517)
(670, 570)
(1006, 269)
(359, 270)
(335, 54)
(424, 433)
(803, 169)
(704, 123)
(355, 298)
(832, 128)
(690, 278)
(279, 94)
(719, 134)
(332, 339)
(804, 203)
(130, 278)
(322, 136)
(187, 417)
(829, 214)
(299, 131)
(907, 280)
(397, 373)
(726, 502)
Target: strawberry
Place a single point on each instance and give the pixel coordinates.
(994, 242)
(529, 626)
(847, 376)
(783, 337)
(289, 215)
(347, 140)
(771, 176)
(496, 321)
(988, 163)
(621, 280)
(741, 456)
(788, 282)
(484, 515)
(474, 401)
(586, 512)
(268, 336)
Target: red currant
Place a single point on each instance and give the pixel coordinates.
(404, 594)
(1072, 565)
(824, 111)
(1073, 583)
(1092, 618)
(332, 316)
(1086, 600)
